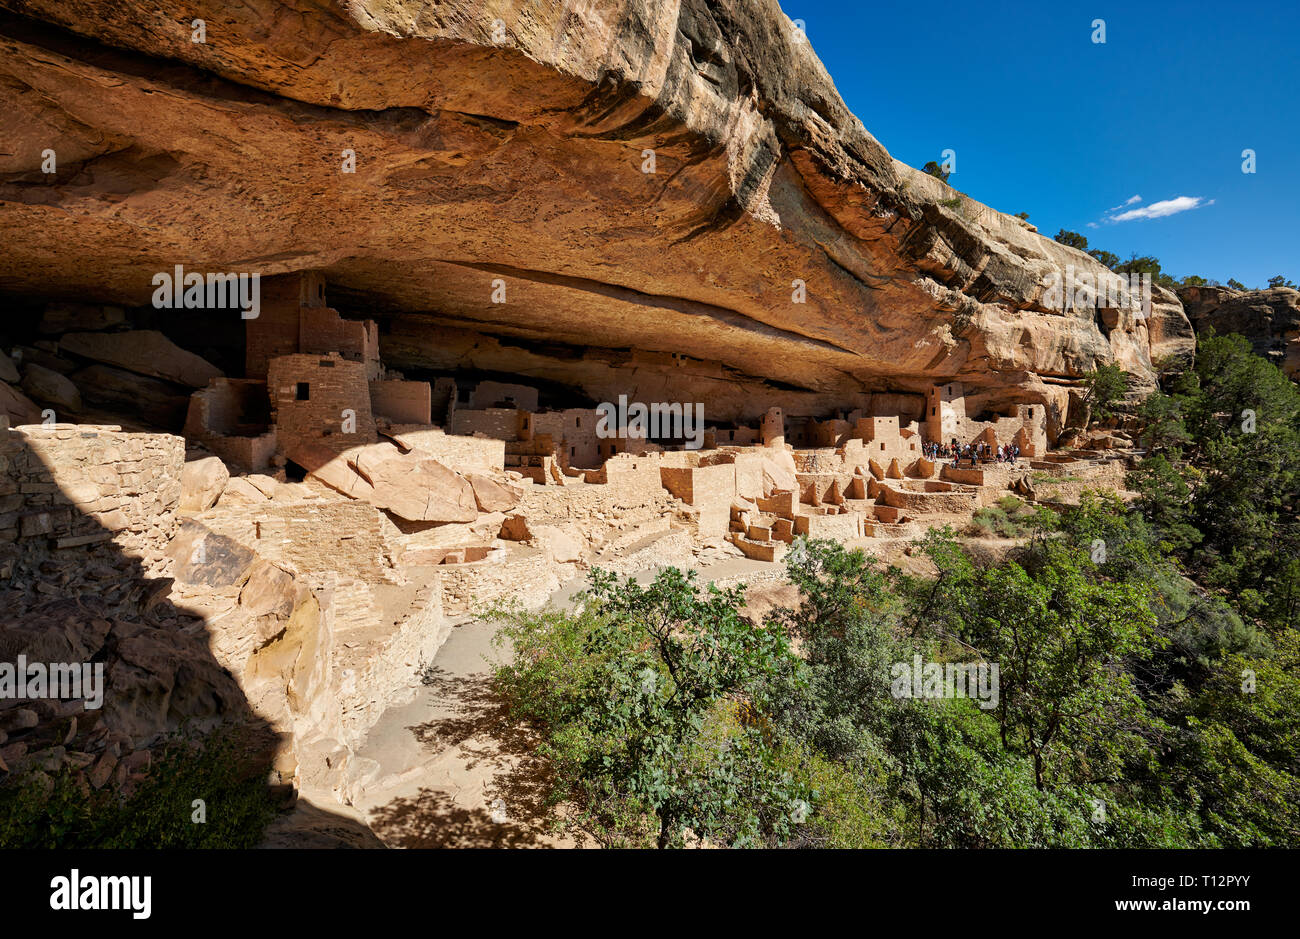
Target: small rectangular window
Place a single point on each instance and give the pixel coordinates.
(304, 391)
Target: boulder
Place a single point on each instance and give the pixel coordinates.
(206, 558)
(145, 352)
(61, 318)
(558, 544)
(163, 680)
(202, 482)
(328, 466)
(492, 496)
(18, 407)
(47, 358)
(49, 387)
(410, 486)
(415, 488)
(515, 528)
(239, 491)
(269, 590)
(778, 471)
(1024, 487)
(263, 483)
(8, 371)
(157, 402)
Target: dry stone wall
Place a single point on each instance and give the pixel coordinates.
(320, 400)
(314, 536)
(66, 485)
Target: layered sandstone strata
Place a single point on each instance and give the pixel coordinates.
(1270, 319)
(500, 154)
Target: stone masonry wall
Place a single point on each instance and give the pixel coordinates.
(405, 402)
(322, 331)
(313, 536)
(65, 485)
(710, 489)
(309, 395)
(530, 577)
(502, 423)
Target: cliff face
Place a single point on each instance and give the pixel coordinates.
(1270, 319)
(507, 143)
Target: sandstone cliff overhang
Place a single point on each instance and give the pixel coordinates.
(1270, 319)
(500, 143)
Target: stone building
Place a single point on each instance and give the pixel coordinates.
(320, 399)
(946, 419)
(311, 377)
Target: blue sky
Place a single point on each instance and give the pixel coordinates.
(1045, 121)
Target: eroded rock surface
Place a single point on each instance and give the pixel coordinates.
(514, 152)
(1270, 319)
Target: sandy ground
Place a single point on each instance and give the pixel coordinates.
(455, 772)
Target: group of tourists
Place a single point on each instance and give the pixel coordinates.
(971, 454)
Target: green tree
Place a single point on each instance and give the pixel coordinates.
(1106, 258)
(1071, 238)
(1237, 754)
(1230, 483)
(651, 702)
(1060, 638)
(933, 767)
(1102, 388)
(935, 170)
(1145, 264)
(1236, 284)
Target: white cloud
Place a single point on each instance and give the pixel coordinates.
(1129, 201)
(1161, 209)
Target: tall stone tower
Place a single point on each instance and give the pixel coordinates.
(945, 412)
(773, 428)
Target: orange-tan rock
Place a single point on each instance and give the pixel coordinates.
(515, 156)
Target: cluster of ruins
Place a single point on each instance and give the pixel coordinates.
(331, 519)
(316, 401)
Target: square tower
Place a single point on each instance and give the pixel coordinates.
(945, 411)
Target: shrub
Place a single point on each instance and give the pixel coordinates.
(38, 811)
